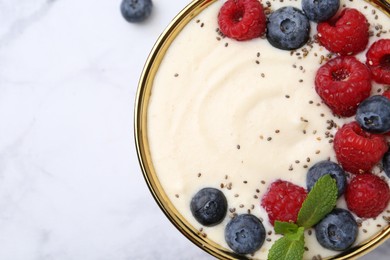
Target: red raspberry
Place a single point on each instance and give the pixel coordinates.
(343, 83)
(378, 61)
(367, 195)
(242, 19)
(386, 94)
(358, 151)
(283, 201)
(346, 35)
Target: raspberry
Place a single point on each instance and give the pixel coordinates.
(242, 19)
(343, 83)
(386, 94)
(283, 201)
(346, 35)
(378, 61)
(367, 195)
(358, 151)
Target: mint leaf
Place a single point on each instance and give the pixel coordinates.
(285, 227)
(289, 247)
(298, 235)
(319, 202)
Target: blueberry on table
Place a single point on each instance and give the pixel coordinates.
(209, 206)
(320, 10)
(373, 114)
(337, 231)
(136, 11)
(288, 28)
(245, 234)
(327, 167)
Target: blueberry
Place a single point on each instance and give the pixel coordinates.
(288, 28)
(320, 10)
(386, 163)
(209, 206)
(245, 234)
(337, 231)
(373, 114)
(136, 11)
(327, 167)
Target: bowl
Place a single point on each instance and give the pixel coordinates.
(144, 92)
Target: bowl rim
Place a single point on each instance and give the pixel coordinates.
(142, 146)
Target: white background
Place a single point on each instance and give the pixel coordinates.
(70, 183)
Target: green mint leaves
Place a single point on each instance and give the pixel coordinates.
(289, 247)
(285, 227)
(319, 202)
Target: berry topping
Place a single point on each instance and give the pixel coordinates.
(245, 234)
(327, 167)
(373, 114)
(136, 11)
(209, 206)
(358, 151)
(367, 195)
(378, 60)
(337, 231)
(283, 201)
(386, 94)
(386, 163)
(288, 28)
(343, 83)
(347, 34)
(242, 19)
(319, 11)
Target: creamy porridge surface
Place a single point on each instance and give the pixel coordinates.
(239, 115)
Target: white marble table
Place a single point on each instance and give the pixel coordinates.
(70, 184)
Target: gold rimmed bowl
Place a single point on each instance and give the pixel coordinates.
(144, 154)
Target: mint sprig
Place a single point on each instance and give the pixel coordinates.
(285, 228)
(319, 202)
(289, 247)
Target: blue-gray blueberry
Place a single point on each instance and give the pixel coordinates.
(288, 28)
(386, 163)
(327, 167)
(245, 234)
(373, 114)
(136, 11)
(209, 206)
(337, 231)
(320, 10)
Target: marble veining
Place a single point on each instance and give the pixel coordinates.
(18, 17)
(70, 183)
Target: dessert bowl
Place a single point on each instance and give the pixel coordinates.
(147, 163)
